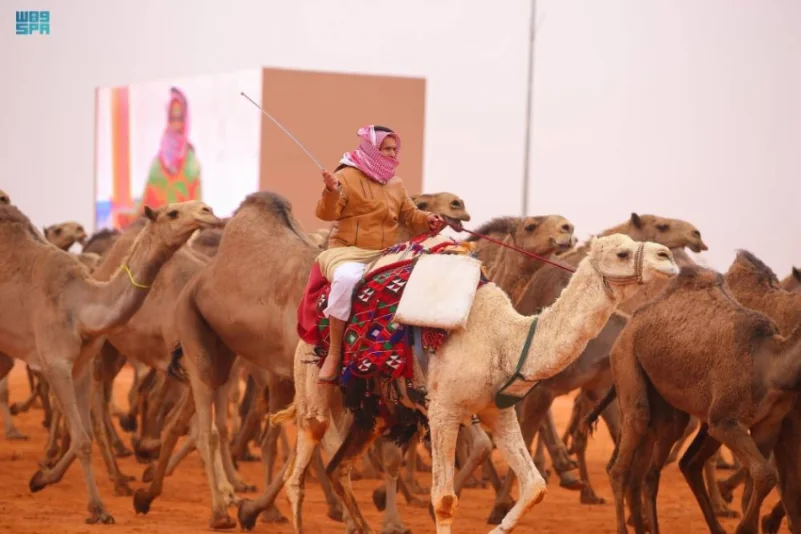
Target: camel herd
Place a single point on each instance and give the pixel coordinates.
(650, 342)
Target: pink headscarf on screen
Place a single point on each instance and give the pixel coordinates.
(175, 144)
(368, 157)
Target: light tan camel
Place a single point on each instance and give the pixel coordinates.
(792, 282)
(470, 368)
(54, 314)
(591, 370)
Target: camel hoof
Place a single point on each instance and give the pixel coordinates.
(571, 483)
(498, 512)
(335, 513)
(122, 451)
(726, 512)
(770, 525)
(142, 501)
(122, 489)
(15, 409)
(128, 423)
(100, 517)
(221, 522)
(16, 435)
(241, 487)
(380, 498)
(591, 498)
(273, 515)
(447, 507)
(247, 456)
(38, 482)
(247, 514)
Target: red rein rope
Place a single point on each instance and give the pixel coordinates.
(460, 228)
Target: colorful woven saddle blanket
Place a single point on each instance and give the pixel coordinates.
(374, 345)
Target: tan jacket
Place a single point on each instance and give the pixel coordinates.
(368, 213)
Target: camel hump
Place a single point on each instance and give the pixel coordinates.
(749, 261)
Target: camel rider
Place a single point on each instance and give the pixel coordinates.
(367, 202)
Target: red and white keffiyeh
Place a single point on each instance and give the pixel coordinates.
(368, 157)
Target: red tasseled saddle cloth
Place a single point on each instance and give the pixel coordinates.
(372, 344)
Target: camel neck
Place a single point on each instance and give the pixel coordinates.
(511, 268)
(112, 303)
(567, 326)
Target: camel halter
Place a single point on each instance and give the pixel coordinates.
(609, 279)
(131, 278)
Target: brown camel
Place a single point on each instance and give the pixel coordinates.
(737, 375)
(56, 315)
(792, 282)
(756, 286)
(65, 235)
(591, 370)
(262, 243)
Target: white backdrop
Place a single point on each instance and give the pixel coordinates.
(677, 107)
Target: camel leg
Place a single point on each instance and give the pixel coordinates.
(532, 411)
(189, 445)
(281, 393)
(667, 432)
(179, 420)
(727, 485)
(338, 470)
(51, 447)
(718, 502)
(412, 467)
(392, 457)
(611, 416)
(785, 454)
(508, 438)
(700, 451)
(691, 427)
(560, 459)
(74, 399)
(636, 413)
(11, 431)
(251, 413)
(480, 450)
(103, 438)
(335, 511)
(763, 476)
(221, 423)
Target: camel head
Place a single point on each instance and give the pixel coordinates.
(64, 235)
(749, 271)
(624, 263)
(446, 205)
(544, 234)
(4, 198)
(175, 223)
(673, 233)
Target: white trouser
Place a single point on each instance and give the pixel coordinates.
(346, 276)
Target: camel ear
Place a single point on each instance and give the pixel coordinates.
(635, 220)
(797, 273)
(149, 213)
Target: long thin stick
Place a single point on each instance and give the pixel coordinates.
(284, 129)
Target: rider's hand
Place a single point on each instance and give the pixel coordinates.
(435, 223)
(331, 182)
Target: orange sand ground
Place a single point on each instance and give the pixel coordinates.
(184, 506)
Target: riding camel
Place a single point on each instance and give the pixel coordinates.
(740, 406)
(542, 235)
(495, 331)
(54, 314)
(792, 282)
(591, 370)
